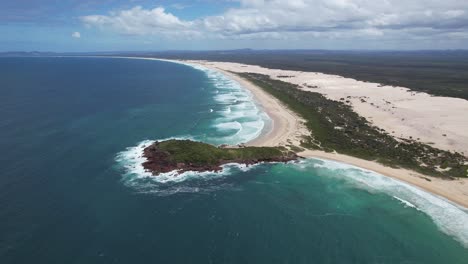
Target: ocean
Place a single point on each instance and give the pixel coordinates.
(72, 189)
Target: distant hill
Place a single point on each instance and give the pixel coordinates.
(443, 73)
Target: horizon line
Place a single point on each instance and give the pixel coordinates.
(227, 50)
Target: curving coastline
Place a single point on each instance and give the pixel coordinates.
(435, 120)
(287, 129)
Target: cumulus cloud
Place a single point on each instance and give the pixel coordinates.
(276, 18)
(76, 34)
(139, 21)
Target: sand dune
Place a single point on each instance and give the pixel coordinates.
(439, 121)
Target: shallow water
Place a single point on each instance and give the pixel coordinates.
(71, 190)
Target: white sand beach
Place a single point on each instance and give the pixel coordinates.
(439, 121)
(287, 127)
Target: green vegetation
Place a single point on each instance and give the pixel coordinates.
(186, 155)
(186, 151)
(336, 127)
(435, 72)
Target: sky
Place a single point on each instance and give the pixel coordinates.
(151, 25)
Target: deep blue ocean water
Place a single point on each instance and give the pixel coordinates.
(71, 190)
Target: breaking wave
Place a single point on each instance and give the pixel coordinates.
(135, 176)
(451, 219)
(234, 104)
(238, 118)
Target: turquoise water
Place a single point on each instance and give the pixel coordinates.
(72, 191)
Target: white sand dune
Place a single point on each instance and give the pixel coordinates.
(439, 121)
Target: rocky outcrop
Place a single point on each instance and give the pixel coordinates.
(161, 161)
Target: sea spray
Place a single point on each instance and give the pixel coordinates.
(131, 160)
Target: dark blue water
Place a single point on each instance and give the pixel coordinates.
(65, 197)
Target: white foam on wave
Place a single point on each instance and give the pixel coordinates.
(406, 203)
(240, 114)
(229, 126)
(131, 161)
(227, 110)
(225, 98)
(451, 218)
(241, 106)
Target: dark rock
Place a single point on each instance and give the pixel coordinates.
(159, 161)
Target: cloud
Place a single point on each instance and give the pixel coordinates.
(76, 34)
(277, 18)
(139, 21)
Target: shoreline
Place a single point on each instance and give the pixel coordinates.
(287, 128)
(454, 191)
(433, 120)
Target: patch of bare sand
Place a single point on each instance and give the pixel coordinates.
(438, 121)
